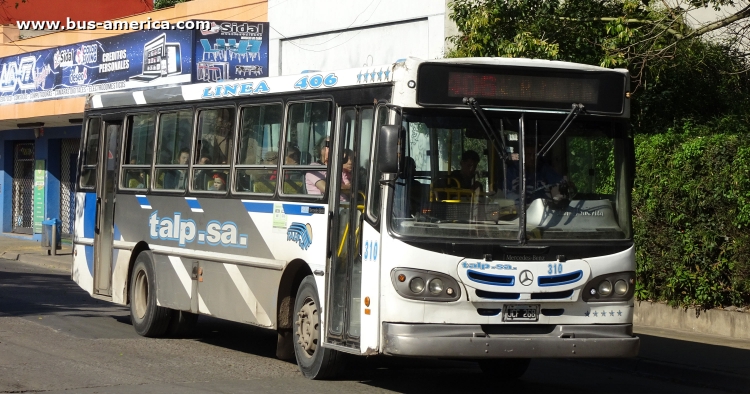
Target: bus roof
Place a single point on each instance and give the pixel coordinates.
(370, 75)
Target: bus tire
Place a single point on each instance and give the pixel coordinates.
(182, 323)
(505, 368)
(149, 319)
(314, 361)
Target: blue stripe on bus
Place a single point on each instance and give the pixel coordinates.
(89, 253)
(89, 215)
(261, 207)
(117, 234)
(290, 209)
(142, 200)
(193, 203)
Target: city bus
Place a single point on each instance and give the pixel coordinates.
(474, 209)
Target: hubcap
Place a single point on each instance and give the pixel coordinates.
(140, 298)
(307, 323)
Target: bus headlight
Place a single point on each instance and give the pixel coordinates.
(411, 283)
(621, 287)
(436, 286)
(601, 288)
(416, 285)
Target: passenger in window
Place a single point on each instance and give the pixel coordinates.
(292, 155)
(175, 179)
(465, 176)
(315, 181)
(202, 176)
(346, 174)
(136, 178)
(271, 158)
(220, 183)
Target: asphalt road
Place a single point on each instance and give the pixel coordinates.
(55, 338)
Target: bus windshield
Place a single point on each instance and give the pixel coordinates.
(457, 183)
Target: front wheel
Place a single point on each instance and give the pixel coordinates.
(149, 319)
(314, 361)
(505, 368)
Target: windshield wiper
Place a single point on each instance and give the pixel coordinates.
(572, 115)
(486, 125)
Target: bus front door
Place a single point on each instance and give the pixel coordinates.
(347, 200)
(105, 207)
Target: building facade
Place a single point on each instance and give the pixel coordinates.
(40, 135)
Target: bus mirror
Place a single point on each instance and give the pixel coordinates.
(391, 143)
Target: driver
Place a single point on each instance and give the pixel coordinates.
(542, 181)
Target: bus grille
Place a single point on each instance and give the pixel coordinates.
(564, 279)
(495, 280)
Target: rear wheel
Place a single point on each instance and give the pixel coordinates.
(505, 368)
(149, 319)
(314, 361)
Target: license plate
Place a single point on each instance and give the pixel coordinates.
(520, 312)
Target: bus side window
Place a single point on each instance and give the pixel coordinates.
(90, 154)
(173, 150)
(139, 145)
(306, 154)
(374, 205)
(213, 149)
(258, 149)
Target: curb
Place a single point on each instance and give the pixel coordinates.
(717, 322)
(55, 262)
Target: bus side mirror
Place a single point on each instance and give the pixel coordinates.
(391, 144)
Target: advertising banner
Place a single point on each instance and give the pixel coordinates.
(39, 176)
(231, 50)
(144, 58)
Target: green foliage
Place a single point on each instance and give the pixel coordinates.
(691, 213)
(673, 78)
(159, 4)
(580, 31)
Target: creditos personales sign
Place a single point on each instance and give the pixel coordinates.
(221, 50)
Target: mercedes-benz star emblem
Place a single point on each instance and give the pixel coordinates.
(526, 278)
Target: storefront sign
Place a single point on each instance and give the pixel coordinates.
(231, 50)
(39, 176)
(228, 50)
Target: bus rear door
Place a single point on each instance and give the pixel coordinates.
(109, 162)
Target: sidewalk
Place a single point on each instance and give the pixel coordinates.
(672, 348)
(26, 250)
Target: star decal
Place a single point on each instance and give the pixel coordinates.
(372, 76)
(619, 313)
(380, 75)
(359, 77)
(387, 73)
(587, 313)
(596, 313)
(611, 313)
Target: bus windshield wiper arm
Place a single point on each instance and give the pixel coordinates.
(572, 115)
(486, 125)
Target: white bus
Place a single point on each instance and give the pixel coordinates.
(474, 209)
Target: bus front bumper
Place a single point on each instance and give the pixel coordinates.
(505, 341)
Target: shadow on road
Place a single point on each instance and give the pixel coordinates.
(32, 293)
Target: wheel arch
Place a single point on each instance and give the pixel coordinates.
(290, 281)
(137, 249)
